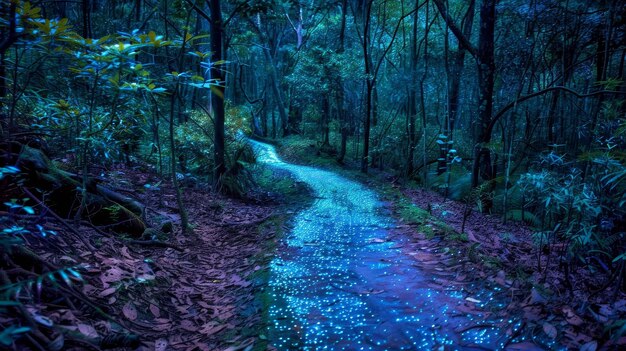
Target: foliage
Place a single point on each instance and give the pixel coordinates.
(13, 237)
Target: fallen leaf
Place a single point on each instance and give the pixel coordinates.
(125, 253)
(107, 292)
(188, 325)
(571, 317)
(57, 343)
(162, 327)
(155, 311)
(211, 328)
(89, 289)
(43, 320)
(130, 311)
(590, 346)
(112, 275)
(536, 297)
(550, 330)
(470, 236)
(202, 346)
(87, 330)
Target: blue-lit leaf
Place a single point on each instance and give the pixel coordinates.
(39, 284)
(75, 273)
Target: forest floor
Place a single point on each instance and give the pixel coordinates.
(575, 311)
(203, 291)
(206, 290)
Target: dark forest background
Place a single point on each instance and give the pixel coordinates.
(516, 108)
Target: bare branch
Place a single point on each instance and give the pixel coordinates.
(512, 104)
(458, 33)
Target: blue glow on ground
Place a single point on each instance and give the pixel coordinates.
(339, 285)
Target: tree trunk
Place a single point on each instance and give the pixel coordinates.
(217, 34)
(423, 100)
(343, 123)
(486, 69)
(454, 86)
(137, 10)
(86, 8)
(412, 103)
(278, 99)
(325, 121)
(370, 88)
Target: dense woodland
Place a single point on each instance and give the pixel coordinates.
(513, 108)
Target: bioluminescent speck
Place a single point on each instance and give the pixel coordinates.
(341, 284)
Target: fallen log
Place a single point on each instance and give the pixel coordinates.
(62, 192)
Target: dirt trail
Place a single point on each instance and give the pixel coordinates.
(341, 281)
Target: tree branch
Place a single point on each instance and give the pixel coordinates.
(511, 104)
(393, 37)
(458, 33)
(199, 10)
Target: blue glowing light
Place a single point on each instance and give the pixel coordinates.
(340, 283)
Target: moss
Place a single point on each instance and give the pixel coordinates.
(456, 236)
(427, 230)
(409, 213)
(492, 262)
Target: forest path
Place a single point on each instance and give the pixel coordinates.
(339, 282)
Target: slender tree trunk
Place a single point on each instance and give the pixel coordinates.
(341, 105)
(217, 34)
(184, 222)
(137, 10)
(278, 99)
(486, 70)
(412, 103)
(457, 71)
(86, 9)
(7, 37)
(325, 121)
(369, 87)
(423, 100)
(374, 105)
(454, 86)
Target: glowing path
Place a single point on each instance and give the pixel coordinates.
(339, 285)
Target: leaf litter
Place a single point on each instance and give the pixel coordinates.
(199, 299)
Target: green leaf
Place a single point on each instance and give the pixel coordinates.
(75, 273)
(65, 278)
(8, 335)
(620, 257)
(216, 91)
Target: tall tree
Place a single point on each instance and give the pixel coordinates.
(454, 73)
(486, 71)
(341, 104)
(269, 52)
(369, 81)
(412, 97)
(217, 91)
(484, 55)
